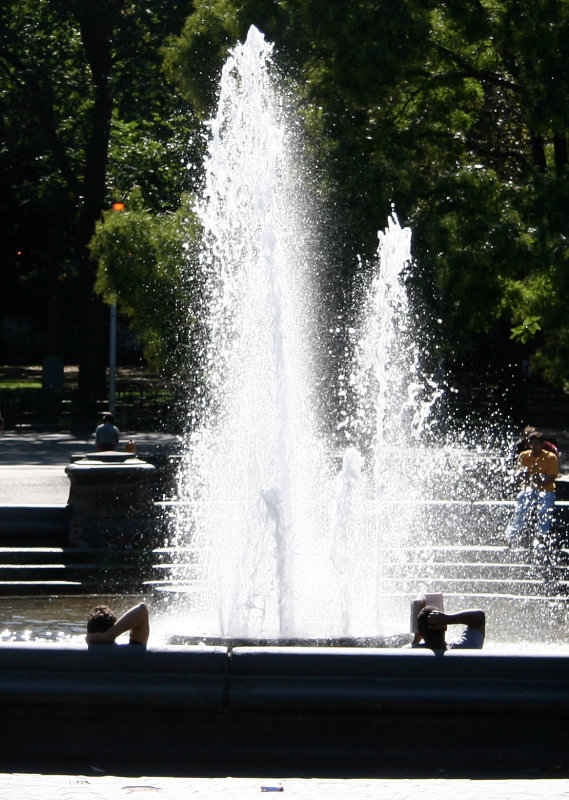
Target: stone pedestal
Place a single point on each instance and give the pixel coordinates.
(110, 500)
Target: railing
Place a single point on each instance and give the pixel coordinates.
(34, 408)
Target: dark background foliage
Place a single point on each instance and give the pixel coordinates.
(455, 112)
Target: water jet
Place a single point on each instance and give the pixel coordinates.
(287, 546)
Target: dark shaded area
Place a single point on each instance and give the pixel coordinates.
(303, 713)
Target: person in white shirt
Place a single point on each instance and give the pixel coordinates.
(433, 623)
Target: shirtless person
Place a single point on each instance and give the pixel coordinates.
(103, 627)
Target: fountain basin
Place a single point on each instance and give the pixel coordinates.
(393, 641)
(283, 711)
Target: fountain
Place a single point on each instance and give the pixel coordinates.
(287, 537)
(285, 542)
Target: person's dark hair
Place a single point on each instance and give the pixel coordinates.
(106, 415)
(536, 435)
(433, 638)
(100, 620)
(423, 619)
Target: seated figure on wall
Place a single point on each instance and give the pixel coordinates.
(107, 433)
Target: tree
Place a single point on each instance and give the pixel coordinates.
(149, 265)
(513, 54)
(454, 112)
(76, 75)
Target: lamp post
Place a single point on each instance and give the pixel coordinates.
(113, 339)
(112, 356)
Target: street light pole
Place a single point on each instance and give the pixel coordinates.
(113, 339)
(112, 356)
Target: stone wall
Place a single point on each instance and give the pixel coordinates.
(283, 711)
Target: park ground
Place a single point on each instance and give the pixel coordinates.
(103, 787)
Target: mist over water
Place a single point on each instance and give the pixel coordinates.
(290, 536)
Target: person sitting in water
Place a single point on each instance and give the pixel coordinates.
(103, 627)
(432, 625)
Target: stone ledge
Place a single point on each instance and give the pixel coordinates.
(205, 711)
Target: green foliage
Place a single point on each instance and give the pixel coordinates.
(148, 265)
(455, 112)
(149, 154)
(197, 56)
(86, 116)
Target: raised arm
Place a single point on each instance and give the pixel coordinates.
(134, 620)
(474, 618)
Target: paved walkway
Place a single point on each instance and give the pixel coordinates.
(79, 787)
(32, 465)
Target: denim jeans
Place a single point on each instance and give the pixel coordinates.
(527, 500)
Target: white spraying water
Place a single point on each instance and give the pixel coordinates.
(288, 537)
(283, 547)
(254, 466)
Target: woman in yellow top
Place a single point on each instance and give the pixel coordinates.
(537, 469)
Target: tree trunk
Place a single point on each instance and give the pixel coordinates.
(96, 22)
(538, 152)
